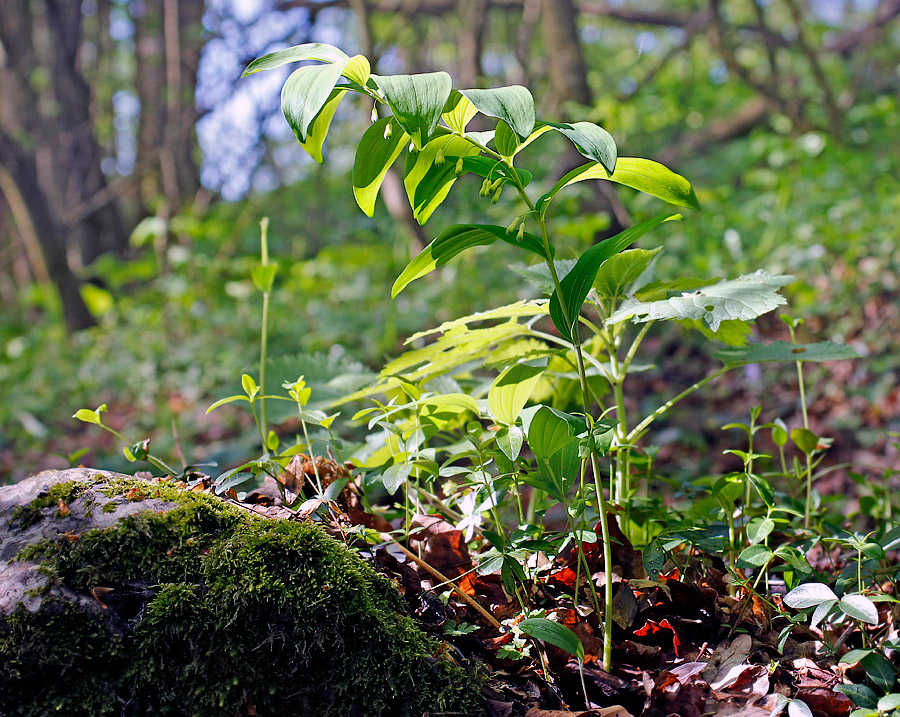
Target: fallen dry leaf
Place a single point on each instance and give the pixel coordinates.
(63, 508)
(604, 712)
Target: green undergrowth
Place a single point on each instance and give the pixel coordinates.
(217, 612)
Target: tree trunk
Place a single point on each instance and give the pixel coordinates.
(566, 66)
(21, 181)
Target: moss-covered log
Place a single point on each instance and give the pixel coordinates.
(123, 596)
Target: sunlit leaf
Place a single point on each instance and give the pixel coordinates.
(511, 390)
(645, 175)
(309, 51)
(553, 634)
(378, 149)
(513, 104)
(417, 101)
(783, 351)
(591, 140)
(455, 240)
(576, 284)
(742, 299)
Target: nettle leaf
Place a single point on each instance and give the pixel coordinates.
(645, 175)
(809, 595)
(554, 634)
(782, 351)
(576, 284)
(744, 299)
(417, 101)
(591, 140)
(430, 174)
(455, 240)
(378, 149)
(306, 92)
(511, 390)
(458, 112)
(619, 272)
(513, 104)
(309, 51)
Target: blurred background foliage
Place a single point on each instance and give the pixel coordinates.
(135, 166)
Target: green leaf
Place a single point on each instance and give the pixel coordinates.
(645, 175)
(731, 332)
(309, 51)
(318, 128)
(764, 488)
(223, 401)
(783, 351)
(576, 284)
(358, 70)
(453, 241)
(879, 670)
(374, 156)
(513, 104)
(805, 439)
(511, 390)
(264, 276)
(553, 634)
(859, 607)
(592, 141)
(458, 112)
(417, 101)
(395, 476)
(305, 93)
(549, 429)
(490, 168)
(759, 529)
(619, 272)
(756, 556)
(534, 307)
(430, 174)
(861, 695)
(654, 557)
(89, 416)
(888, 702)
(854, 656)
(797, 708)
(744, 299)
(249, 385)
(510, 440)
(821, 612)
(509, 144)
(809, 595)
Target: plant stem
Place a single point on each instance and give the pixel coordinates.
(264, 336)
(568, 312)
(639, 429)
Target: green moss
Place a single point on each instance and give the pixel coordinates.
(214, 610)
(27, 515)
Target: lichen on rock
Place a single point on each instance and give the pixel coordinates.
(172, 602)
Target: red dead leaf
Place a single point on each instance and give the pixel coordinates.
(658, 631)
(63, 508)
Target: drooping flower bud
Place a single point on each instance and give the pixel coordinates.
(374, 113)
(485, 188)
(459, 167)
(439, 158)
(521, 234)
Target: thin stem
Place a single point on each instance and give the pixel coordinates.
(802, 395)
(312, 457)
(264, 336)
(639, 429)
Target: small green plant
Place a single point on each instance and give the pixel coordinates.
(585, 352)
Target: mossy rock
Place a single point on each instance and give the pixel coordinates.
(129, 597)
